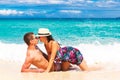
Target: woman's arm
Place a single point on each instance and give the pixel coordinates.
(54, 49)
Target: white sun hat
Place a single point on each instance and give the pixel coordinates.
(43, 32)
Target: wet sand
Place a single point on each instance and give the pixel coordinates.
(11, 71)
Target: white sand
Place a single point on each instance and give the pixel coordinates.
(11, 71)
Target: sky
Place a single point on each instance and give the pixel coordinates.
(59, 8)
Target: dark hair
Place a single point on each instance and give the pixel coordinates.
(49, 38)
(27, 37)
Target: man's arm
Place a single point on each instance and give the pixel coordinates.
(26, 66)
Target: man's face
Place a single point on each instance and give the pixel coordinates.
(34, 40)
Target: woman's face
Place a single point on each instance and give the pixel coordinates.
(43, 39)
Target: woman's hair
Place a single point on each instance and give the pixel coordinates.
(49, 38)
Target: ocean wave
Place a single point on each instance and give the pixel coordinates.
(92, 53)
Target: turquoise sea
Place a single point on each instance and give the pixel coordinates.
(97, 39)
(67, 31)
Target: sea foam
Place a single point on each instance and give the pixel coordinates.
(91, 52)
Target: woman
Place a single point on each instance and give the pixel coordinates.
(62, 57)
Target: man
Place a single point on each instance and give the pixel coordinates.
(34, 55)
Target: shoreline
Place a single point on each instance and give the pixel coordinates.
(11, 71)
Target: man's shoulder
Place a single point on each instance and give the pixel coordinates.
(29, 52)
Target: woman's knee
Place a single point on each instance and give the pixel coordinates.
(65, 66)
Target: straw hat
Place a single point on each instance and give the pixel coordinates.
(43, 32)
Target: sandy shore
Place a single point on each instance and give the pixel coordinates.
(11, 71)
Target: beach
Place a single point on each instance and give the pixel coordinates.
(11, 71)
(91, 26)
(97, 39)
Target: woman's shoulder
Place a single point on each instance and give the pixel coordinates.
(53, 42)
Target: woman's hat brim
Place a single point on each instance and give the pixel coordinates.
(38, 35)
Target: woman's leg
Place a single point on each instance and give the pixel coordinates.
(84, 67)
(65, 66)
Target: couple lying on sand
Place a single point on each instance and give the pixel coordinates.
(58, 58)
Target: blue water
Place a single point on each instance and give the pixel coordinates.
(97, 39)
(66, 31)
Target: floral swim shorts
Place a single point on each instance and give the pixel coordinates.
(70, 54)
